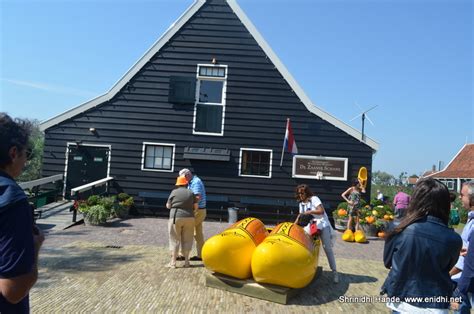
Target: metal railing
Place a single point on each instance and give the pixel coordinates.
(38, 182)
(39, 198)
(76, 192)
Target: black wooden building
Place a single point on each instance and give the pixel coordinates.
(212, 96)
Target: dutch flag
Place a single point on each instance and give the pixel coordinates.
(289, 143)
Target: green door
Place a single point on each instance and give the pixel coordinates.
(86, 164)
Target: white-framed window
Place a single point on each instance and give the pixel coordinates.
(209, 109)
(158, 157)
(449, 184)
(254, 162)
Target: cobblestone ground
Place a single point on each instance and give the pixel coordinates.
(79, 273)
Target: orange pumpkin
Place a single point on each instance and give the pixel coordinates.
(381, 234)
(386, 217)
(342, 212)
(370, 219)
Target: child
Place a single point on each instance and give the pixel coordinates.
(352, 197)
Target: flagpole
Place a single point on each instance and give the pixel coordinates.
(283, 149)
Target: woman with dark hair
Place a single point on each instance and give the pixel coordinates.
(20, 239)
(352, 197)
(311, 205)
(420, 252)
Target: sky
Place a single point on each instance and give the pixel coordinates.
(411, 58)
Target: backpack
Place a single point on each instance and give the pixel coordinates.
(454, 218)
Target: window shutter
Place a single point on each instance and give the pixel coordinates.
(182, 90)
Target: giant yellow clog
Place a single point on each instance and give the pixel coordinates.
(287, 257)
(348, 236)
(362, 177)
(230, 252)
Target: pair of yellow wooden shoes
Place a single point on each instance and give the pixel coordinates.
(358, 236)
(286, 256)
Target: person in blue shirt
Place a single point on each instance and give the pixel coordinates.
(465, 286)
(420, 252)
(20, 239)
(198, 189)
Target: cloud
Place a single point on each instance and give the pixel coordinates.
(51, 88)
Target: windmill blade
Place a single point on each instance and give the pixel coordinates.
(359, 115)
(373, 107)
(367, 116)
(355, 102)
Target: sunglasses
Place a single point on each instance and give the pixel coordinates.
(29, 153)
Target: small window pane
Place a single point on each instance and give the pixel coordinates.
(212, 71)
(211, 91)
(149, 151)
(158, 162)
(158, 151)
(149, 162)
(167, 163)
(168, 152)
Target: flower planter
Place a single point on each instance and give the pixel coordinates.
(89, 222)
(369, 230)
(340, 223)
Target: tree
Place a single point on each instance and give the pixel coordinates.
(382, 178)
(32, 169)
(402, 178)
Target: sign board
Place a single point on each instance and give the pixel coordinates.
(320, 168)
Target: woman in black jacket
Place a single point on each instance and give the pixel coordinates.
(420, 252)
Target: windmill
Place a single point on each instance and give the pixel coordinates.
(363, 115)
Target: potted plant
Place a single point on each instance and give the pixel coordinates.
(368, 220)
(125, 202)
(94, 211)
(341, 216)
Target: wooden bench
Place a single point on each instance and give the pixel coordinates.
(268, 209)
(217, 207)
(156, 203)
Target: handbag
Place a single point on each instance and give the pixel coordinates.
(304, 220)
(454, 218)
(313, 229)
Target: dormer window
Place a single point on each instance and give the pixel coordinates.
(210, 100)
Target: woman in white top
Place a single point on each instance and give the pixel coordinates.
(310, 204)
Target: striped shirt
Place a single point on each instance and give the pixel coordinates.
(197, 187)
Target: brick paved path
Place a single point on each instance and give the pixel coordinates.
(78, 273)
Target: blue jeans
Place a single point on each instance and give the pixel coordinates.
(326, 240)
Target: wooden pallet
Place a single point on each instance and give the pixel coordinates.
(253, 289)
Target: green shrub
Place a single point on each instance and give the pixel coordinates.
(97, 214)
(120, 211)
(342, 205)
(122, 197)
(107, 202)
(93, 200)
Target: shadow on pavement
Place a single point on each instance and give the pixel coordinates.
(117, 224)
(76, 259)
(323, 290)
(45, 226)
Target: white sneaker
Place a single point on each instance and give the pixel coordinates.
(335, 276)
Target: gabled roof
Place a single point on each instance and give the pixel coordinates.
(172, 30)
(461, 166)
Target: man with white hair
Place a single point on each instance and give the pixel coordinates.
(197, 187)
(455, 272)
(466, 282)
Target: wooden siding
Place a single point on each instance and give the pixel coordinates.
(258, 101)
